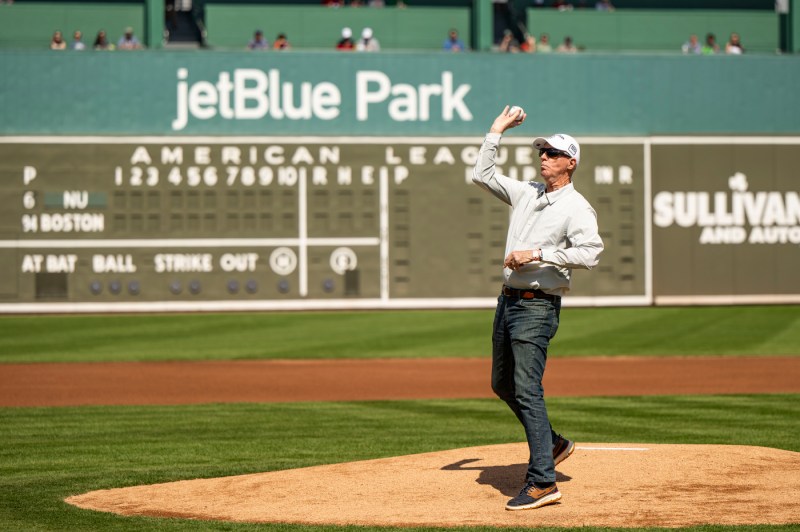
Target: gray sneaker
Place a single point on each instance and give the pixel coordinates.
(532, 497)
(562, 449)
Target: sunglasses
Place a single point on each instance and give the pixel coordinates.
(552, 153)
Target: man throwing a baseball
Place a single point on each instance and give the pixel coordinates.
(552, 230)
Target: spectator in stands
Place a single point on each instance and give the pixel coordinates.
(604, 5)
(356, 3)
(453, 43)
(57, 41)
(346, 42)
(170, 15)
(544, 46)
(734, 45)
(567, 47)
(281, 42)
(258, 42)
(710, 47)
(508, 43)
(692, 46)
(333, 3)
(563, 5)
(128, 41)
(367, 42)
(376, 3)
(77, 41)
(101, 41)
(529, 44)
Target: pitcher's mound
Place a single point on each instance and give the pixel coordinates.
(611, 485)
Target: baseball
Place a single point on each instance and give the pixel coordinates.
(516, 110)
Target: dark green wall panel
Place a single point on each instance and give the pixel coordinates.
(136, 93)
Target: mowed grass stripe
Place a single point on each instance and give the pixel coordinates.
(47, 454)
(693, 331)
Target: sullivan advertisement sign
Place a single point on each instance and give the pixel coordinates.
(726, 219)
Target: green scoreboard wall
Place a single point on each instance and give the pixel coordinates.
(266, 223)
(392, 222)
(203, 186)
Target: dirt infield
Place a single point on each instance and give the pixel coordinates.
(344, 380)
(619, 485)
(638, 484)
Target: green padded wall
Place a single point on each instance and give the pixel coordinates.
(653, 29)
(47, 93)
(232, 26)
(24, 25)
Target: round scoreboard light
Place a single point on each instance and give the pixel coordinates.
(233, 286)
(328, 285)
(194, 286)
(343, 260)
(283, 286)
(175, 287)
(134, 288)
(251, 286)
(115, 287)
(283, 261)
(96, 287)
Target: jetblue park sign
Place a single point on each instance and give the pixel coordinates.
(325, 93)
(254, 94)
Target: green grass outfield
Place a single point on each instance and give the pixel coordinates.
(51, 453)
(47, 454)
(692, 331)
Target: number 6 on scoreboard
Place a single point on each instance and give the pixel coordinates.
(29, 199)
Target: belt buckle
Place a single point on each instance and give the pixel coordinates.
(516, 292)
(527, 294)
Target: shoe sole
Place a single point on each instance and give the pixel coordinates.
(566, 453)
(544, 501)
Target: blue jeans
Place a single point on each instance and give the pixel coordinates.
(522, 332)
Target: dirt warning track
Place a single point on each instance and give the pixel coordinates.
(170, 383)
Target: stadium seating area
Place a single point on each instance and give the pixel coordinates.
(229, 26)
(635, 25)
(29, 25)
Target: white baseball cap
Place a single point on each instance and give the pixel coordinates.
(366, 33)
(346, 33)
(560, 141)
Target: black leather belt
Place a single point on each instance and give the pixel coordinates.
(528, 294)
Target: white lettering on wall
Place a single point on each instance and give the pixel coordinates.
(773, 216)
(409, 103)
(255, 94)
